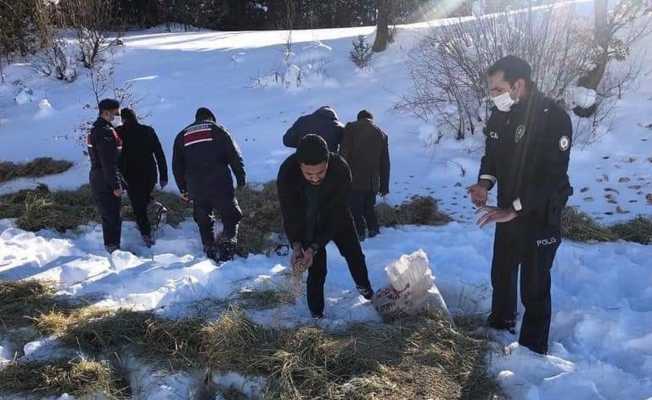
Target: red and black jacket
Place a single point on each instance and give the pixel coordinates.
(203, 158)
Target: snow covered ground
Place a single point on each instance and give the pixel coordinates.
(602, 295)
(601, 332)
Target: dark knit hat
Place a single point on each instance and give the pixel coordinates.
(364, 114)
(204, 114)
(108, 104)
(312, 150)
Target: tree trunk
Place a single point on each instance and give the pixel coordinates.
(592, 79)
(382, 25)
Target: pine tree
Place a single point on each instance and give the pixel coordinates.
(361, 53)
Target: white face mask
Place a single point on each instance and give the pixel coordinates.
(503, 102)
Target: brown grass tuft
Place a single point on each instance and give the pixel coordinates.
(77, 377)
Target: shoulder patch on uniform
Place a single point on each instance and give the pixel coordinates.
(564, 143)
(520, 132)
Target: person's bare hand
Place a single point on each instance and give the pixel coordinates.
(297, 258)
(490, 215)
(478, 194)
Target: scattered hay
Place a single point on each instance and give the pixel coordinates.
(76, 377)
(415, 358)
(22, 301)
(265, 298)
(234, 343)
(40, 208)
(36, 168)
(261, 220)
(419, 358)
(100, 331)
(637, 230)
(579, 226)
(418, 210)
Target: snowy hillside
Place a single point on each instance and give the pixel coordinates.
(601, 334)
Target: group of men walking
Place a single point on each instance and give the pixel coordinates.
(317, 190)
(328, 188)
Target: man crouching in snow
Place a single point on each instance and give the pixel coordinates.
(313, 189)
(526, 154)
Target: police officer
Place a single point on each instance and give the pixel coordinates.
(313, 188)
(203, 153)
(104, 146)
(528, 141)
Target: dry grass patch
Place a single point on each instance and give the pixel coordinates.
(265, 298)
(416, 358)
(419, 358)
(76, 377)
(36, 168)
(22, 301)
(261, 220)
(39, 208)
(637, 230)
(418, 210)
(579, 226)
(100, 332)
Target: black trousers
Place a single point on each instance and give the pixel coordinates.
(363, 207)
(140, 195)
(534, 249)
(347, 242)
(226, 207)
(109, 207)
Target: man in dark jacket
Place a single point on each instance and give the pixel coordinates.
(104, 146)
(322, 122)
(203, 153)
(526, 154)
(366, 149)
(141, 155)
(313, 189)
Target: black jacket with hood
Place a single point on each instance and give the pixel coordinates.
(322, 122)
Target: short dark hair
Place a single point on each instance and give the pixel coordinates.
(108, 104)
(513, 69)
(365, 114)
(128, 116)
(204, 114)
(312, 150)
